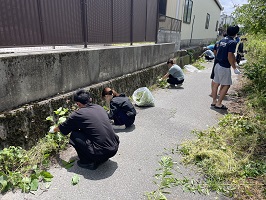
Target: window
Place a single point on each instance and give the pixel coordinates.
(216, 28)
(207, 21)
(162, 7)
(187, 11)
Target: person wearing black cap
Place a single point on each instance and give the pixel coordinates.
(92, 135)
(222, 72)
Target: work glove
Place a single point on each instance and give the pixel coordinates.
(236, 71)
(52, 129)
(160, 79)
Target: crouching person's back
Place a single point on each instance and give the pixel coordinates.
(92, 135)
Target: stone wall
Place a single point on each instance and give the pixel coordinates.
(25, 125)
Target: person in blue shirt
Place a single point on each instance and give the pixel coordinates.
(210, 47)
(215, 50)
(222, 72)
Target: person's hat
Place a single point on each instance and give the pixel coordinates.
(232, 30)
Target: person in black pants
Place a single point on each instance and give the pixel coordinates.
(122, 110)
(175, 75)
(92, 135)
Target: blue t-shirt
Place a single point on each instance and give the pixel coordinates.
(177, 72)
(227, 44)
(210, 47)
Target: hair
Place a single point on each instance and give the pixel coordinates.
(225, 34)
(82, 96)
(232, 30)
(109, 91)
(170, 61)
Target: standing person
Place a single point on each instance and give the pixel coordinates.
(222, 71)
(122, 110)
(91, 132)
(215, 50)
(240, 50)
(175, 74)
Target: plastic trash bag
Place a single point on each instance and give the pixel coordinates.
(191, 68)
(143, 97)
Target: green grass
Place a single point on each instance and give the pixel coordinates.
(27, 169)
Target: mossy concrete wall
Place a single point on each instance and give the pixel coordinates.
(26, 125)
(25, 78)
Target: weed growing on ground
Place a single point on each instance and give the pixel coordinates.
(161, 83)
(198, 63)
(27, 169)
(166, 178)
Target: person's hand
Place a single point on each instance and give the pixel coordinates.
(52, 129)
(236, 71)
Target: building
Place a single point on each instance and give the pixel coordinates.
(200, 19)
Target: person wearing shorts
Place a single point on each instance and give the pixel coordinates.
(222, 71)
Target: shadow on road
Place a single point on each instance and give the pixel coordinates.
(126, 130)
(221, 111)
(104, 171)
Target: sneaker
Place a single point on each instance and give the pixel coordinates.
(171, 86)
(90, 165)
(120, 127)
(179, 85)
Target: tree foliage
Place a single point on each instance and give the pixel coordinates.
(252, 16)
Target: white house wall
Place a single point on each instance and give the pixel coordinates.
(200, 35)
(200, 10)
(171, 8)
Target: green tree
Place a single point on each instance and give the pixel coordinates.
(252, 16)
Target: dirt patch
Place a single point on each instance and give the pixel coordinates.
(237, 97)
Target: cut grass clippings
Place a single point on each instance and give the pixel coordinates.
(231, 155)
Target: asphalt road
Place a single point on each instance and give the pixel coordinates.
(130, 174)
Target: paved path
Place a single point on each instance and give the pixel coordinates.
(129, 175)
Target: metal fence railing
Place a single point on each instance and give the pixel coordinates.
(170, 24)
(65, 22)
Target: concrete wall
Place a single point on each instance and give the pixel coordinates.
(196, 42)
(26, 78)
(26, 125)
(165, 36)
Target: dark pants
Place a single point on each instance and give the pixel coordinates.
(212, 74)
(173, 80)
(85, 150)
(121, 118)
(209, 58)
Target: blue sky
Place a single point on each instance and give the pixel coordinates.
(229, 5)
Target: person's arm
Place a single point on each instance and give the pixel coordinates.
(67, 126)
(114, 108)
(165, 76)
(215, 52)
(232, 59)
